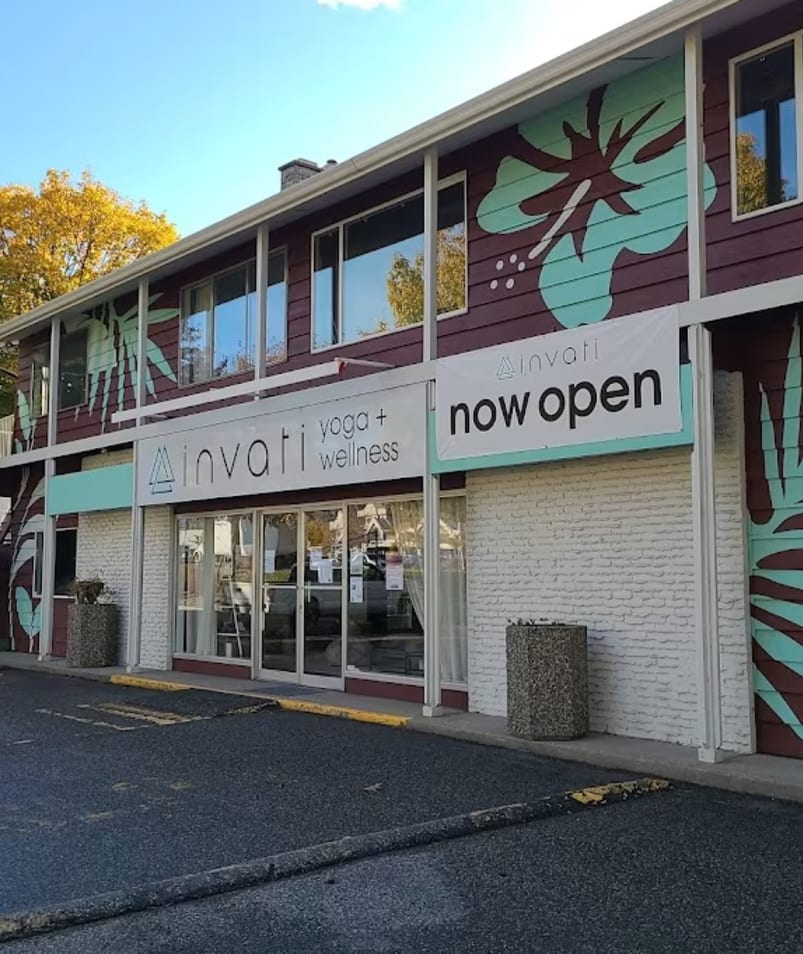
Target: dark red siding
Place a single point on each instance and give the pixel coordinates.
(767, 246)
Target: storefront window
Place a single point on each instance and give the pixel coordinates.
(386, 589)
(215, 560)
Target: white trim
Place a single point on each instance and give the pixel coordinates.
(55, 383)
(244, 389)
(431, 196)
(262, 270)
(742, 301)
(695, 163)
(143, 312)
(432, 550)
(341, 225)
(706, 601)
(48, 573)
(796, 41)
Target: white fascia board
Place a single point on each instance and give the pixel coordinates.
(666, 20)
(743, 301)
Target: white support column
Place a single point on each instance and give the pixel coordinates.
(430, 255)
(138, 513)
(263, 253)
(706, 616)
(49, 534)
(695, 163)
(706, 603)
(432, 483)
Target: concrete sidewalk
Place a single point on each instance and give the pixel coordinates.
(765, 775)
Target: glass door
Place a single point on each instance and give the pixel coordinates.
(280, 593)
(323, 532)
(302, 597)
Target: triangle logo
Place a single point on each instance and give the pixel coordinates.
(505, 369)
(162, 477)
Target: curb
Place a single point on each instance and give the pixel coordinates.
(301, 861)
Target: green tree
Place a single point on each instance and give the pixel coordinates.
(405, 281)
(60, 236)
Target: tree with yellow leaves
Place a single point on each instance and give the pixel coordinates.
(405, 281)
(64, 234)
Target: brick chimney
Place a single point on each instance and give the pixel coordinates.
(297, 170)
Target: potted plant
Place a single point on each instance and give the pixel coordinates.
(547, 679)
(92, 626)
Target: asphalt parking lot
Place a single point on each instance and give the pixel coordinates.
(105, 788)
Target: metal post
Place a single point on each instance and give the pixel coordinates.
(138, 513)
(432, 488)
(695, 164)
(705, 548)
(706, 608)
(263, 255)
(430, 255)
(49, 534)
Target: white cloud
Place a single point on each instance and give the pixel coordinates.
(361, 4)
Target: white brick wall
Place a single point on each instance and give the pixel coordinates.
(156, 587)
(104, 547)
(607, 542)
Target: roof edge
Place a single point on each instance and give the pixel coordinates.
(667, 19)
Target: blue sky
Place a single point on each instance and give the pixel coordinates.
(192, 104)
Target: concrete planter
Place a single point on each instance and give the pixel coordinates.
(92, 635)
(547, 681)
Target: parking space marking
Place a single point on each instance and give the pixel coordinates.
(96, 722)
(142, 714)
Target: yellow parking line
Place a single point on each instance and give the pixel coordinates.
(342, 712)
(597, 794)
(141, 682)
(153, 716)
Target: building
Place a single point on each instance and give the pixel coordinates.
(551, 336)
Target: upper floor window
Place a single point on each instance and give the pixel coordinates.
(218, 321)
(72, 370)
(766, 127)
(368, 272)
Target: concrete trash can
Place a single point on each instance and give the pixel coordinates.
(547, 681)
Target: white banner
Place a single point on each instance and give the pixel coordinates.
(616, 379)
(378, 436)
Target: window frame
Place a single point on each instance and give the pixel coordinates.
(44, 380)
(210, 319)
(38, 563)
(340, 227)
(796, 40)
(78, 332)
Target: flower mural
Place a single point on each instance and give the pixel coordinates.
(590, 181)
(776, 554)
(112, 341)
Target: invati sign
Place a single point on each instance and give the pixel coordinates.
(607, 381)
(377, 436)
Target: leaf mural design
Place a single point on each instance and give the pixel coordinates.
(33, 521)
(776, 553)
(112, 354)
(590, 181)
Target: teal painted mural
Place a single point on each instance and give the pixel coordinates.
(25, 607)
(776, 562)
(588, 181)
(112, 342)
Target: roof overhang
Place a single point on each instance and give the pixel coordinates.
(651, 37)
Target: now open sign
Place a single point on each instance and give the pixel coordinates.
(608, 381)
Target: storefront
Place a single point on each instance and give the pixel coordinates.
(320, 594)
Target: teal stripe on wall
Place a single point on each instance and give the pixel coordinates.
(679, 438)
(107, 488)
